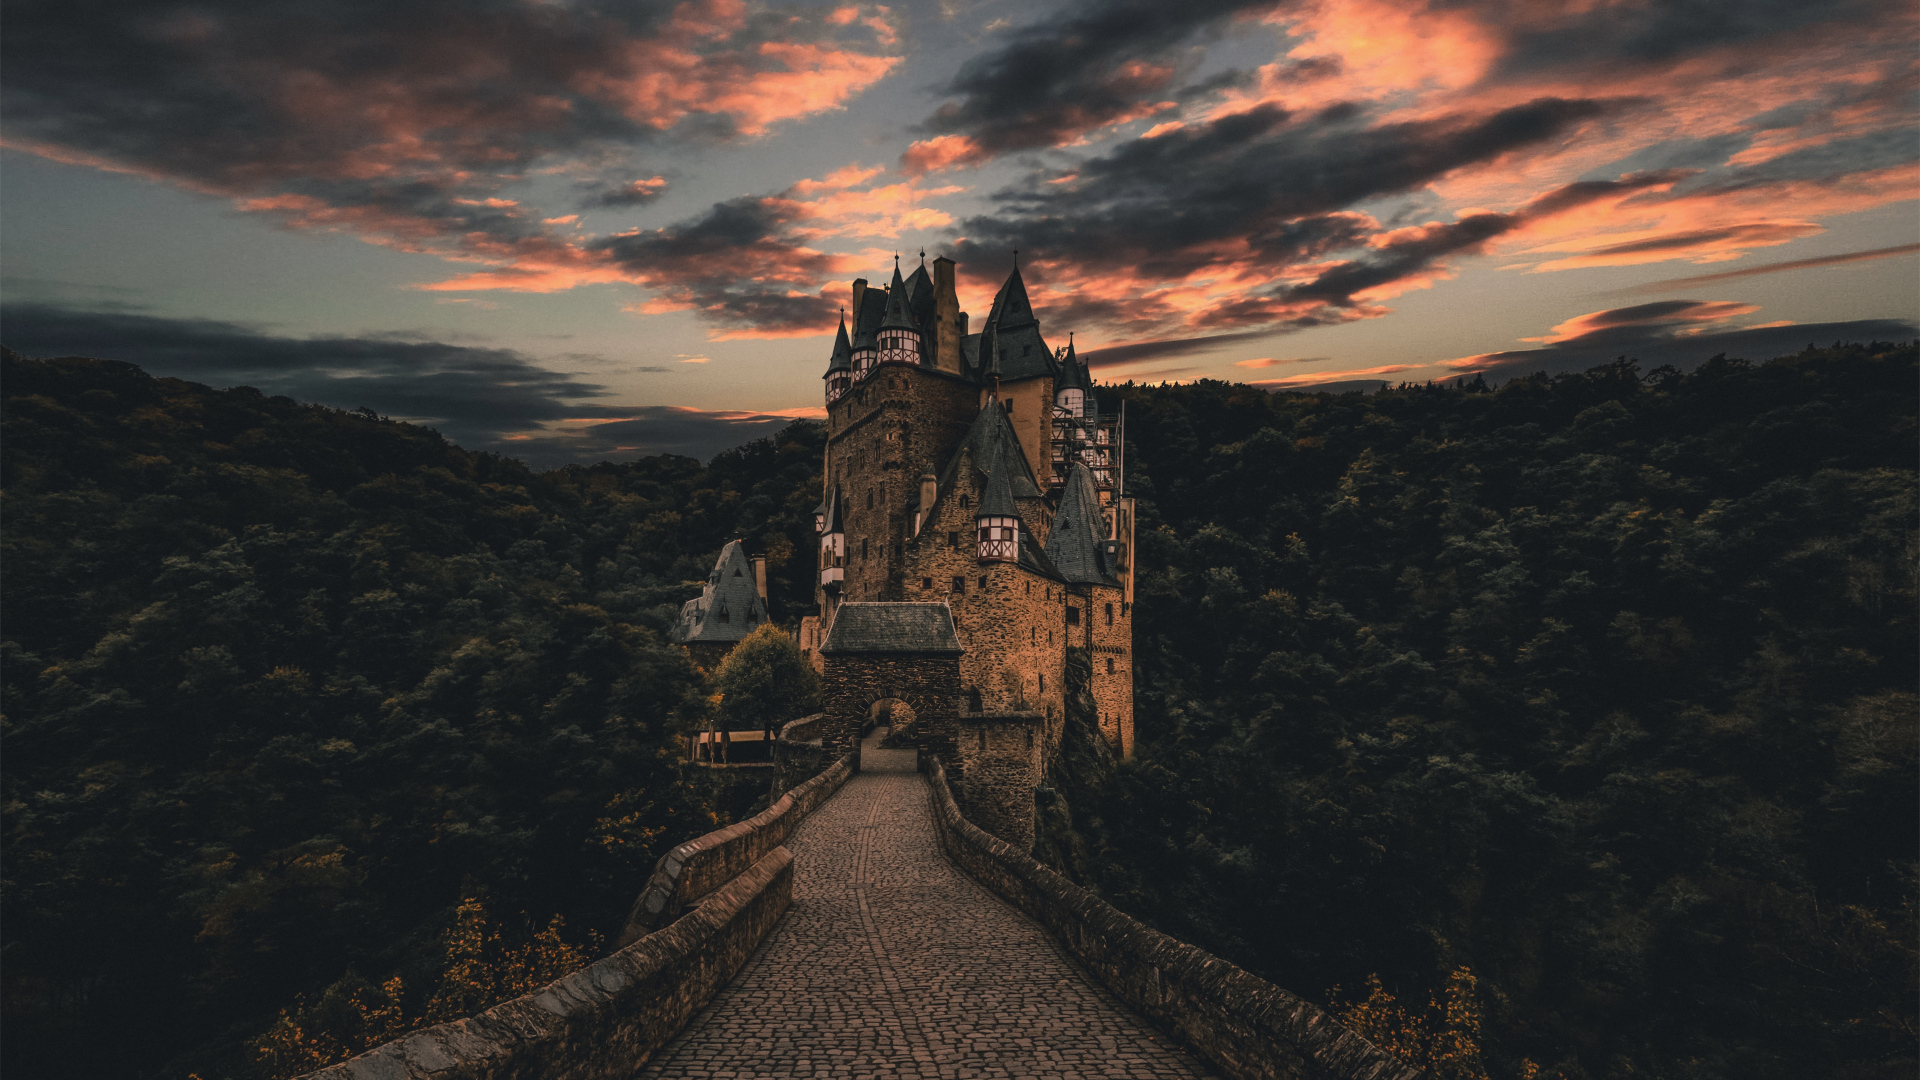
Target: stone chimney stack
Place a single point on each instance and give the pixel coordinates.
(949, 325)
(859, 292)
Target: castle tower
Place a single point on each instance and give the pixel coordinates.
(977, 472)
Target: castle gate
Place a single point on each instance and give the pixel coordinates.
(880, 651)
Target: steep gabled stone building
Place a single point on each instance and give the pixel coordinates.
(975, 470)
(731, 605)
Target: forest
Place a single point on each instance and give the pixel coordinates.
(1598, 685)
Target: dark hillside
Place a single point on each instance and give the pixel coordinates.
(1601, 685)
(283, 684)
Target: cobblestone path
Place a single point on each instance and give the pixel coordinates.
(893, 963)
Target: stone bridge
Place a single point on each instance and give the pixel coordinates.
(862, 927)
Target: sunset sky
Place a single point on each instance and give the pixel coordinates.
(577, 231)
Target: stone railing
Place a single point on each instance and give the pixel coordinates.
(1244, 1026)
(700, 866)
(608, 1018)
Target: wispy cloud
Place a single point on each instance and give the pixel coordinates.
(1654, 288)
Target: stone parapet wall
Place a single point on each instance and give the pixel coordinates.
(701, 866)
(1244, 1026)
(604, 1020)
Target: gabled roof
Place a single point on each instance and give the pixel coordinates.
(728, 607)
(995, 448)
(863, 627)
(1074, 545)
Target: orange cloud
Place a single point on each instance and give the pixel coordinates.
(942, 153)
(1666, 313)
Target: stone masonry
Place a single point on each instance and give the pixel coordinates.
(892, 963)
(996, 765)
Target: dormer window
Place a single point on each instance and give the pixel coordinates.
(999, 538)
(721, 613)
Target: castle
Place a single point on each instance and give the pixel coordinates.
(975, 470)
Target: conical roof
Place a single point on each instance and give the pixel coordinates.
(997, 500)
(1074, 543)
(898, 316)
(842, 350)
(1073, 373)
(1011, 307)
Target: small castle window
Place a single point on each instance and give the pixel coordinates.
(963, 502)
(1109, 665)
(926, 583)
(1029, 588)
(953, 540)
(1073, 616)
(869, 498)
(863, 547)
(959, 584)
(1109, 620)
(1033, 634)
(983, 581)
(1043, 683)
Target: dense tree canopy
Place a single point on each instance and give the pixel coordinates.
(1601, 685)
(284, 685)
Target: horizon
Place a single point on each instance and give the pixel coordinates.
(598, 232)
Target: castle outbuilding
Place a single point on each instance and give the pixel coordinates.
(731, 605)
(976, 471)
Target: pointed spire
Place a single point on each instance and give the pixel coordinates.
(897, 316)
(842, 349)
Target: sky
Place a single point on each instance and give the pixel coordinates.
(581, 231)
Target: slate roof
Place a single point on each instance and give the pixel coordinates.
(892, 628)
(996, 448)
(1075, 543)
(842, 351)
(1009, 337)
(898, 317)
(730, 591)
(1005, 476)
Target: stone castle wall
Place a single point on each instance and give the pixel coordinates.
(930, 685)
(996, 765)
(1109, 643)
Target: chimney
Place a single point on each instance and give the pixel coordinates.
(859, 290)
(949, 324)
(760, 577)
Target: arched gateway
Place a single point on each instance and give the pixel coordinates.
(902, 651)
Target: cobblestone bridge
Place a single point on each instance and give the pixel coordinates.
(892, 963)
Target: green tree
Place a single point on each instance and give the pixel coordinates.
(765, 681)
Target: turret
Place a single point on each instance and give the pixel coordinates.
(833, 544)
(999, 519)
(1070, 393)
(839, 374)
(899, 337)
